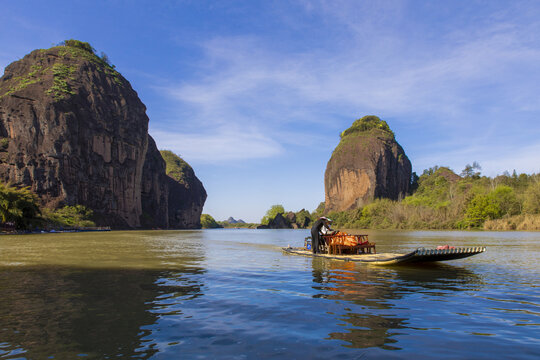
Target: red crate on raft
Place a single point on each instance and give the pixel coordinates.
(341, 243)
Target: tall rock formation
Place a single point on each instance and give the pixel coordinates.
(368, 163)
(186, 192)
(73, 129)
(155, 192)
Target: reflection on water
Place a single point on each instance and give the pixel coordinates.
(49, 308)
(84, 308)
(234, 294)
(370, 289)
(349, 284)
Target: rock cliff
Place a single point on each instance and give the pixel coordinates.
(186, 193)
(154, 189)
(368, 163)
(74, 131)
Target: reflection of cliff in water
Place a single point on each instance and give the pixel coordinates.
(369, 319)
(103, 313)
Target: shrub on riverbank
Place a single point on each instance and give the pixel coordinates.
(77, 216)
(208, 222)
(525, 222)
(444, 200)
(18, 206)
(300, 219)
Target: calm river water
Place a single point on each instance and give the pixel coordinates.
(234, 294)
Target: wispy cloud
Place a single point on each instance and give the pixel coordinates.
(221, 145)
(463, 82)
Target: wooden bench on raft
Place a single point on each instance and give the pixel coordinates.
(341, 243)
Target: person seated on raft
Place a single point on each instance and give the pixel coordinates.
(321, 227)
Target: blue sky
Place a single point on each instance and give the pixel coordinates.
(254, 94)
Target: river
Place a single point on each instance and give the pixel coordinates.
(234, 294)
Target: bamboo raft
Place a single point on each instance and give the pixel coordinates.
(420, 255)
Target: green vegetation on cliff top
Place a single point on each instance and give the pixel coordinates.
(367, 127)
(62, 71)
(76, 49)
(366, 124)
(18, 83)
(176, 167)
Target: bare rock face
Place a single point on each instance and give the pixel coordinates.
(186, 193)
(74, 131)
(154, 189)
(368, 163)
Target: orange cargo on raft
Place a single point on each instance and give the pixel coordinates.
(341, 242)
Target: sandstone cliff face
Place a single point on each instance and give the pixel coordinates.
(154, 189)
(186, 193)
(74, 130)
(368, 163)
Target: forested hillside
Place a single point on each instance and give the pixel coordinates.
(443, 200)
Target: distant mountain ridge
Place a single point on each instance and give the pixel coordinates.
(232, 220)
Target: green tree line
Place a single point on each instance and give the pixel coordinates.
(444, 200)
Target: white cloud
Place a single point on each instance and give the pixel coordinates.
(458, 83)
(222, 144)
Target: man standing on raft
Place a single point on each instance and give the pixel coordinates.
(320, 227)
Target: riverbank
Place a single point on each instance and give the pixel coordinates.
(518, 222)
(55, 231)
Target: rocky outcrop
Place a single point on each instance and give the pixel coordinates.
(74, 131)
(154, 189)
(290, 217)
(293, 220)
(279, 222)
(368, 163)
(186, 192)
